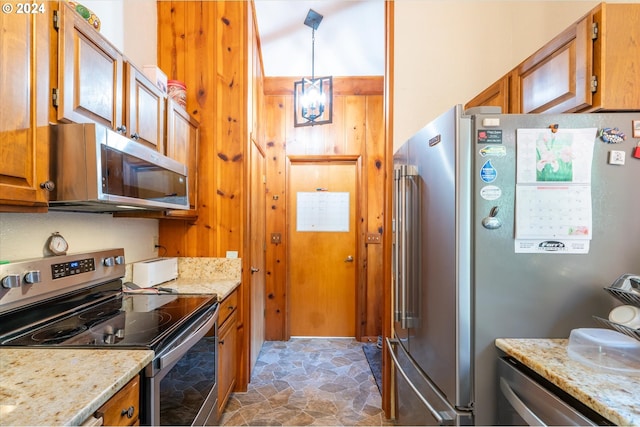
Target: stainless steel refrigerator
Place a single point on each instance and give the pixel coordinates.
(504, 226)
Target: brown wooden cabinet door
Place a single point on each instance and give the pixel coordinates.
(557, 78)
(182, 145)
(24, 136)
(496, 95)
(145, 109)
(227, 360)
(90, 74)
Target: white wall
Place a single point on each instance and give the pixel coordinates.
(23, 236)
(446, 52)
(131, 28)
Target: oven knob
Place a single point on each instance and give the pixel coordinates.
(109, 338)
(11, 281)
(108, 262)
(119, 260)
(32, 277)
(119, 333)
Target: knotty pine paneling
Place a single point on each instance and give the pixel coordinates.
(204, 44)
(357, 129)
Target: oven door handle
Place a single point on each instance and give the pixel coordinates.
(176, 353)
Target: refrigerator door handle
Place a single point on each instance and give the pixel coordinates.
(443, 418)
(519, 406)
(400, 248)
(403, 261)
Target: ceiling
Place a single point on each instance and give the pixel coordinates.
(348, 42)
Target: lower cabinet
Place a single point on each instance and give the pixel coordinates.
(227, 353)
(123, 409)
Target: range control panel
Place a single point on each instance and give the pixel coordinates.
(72, 267)
(32, 280)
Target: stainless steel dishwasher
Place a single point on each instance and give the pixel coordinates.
(528, 399)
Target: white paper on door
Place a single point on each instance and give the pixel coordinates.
(322, 211)
(553, 190)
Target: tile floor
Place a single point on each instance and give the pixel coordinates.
(308, 381)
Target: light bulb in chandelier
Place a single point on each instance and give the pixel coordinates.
(313, 97)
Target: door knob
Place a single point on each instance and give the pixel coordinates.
(348, 259)
(254, 270)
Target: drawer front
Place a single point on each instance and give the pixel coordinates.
(228, 306)
(123, 409)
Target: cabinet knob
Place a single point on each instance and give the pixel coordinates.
(135, 136)
(122, 129)
(128, 412)
(48, 185)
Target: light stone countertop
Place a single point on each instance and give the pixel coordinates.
(222, 288)
(205, 275)
(42, 386)
(615, 397)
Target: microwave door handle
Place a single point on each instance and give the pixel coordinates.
(519, 406)
(176, 353)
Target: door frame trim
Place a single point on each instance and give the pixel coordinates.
(360, 225)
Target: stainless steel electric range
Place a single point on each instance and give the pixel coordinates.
(77, 301)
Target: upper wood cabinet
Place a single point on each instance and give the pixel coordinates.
(24, 134)
(182, 145)
(144, 108)
(591, 66)
(90, 73)
(500, 94)
(96, 83)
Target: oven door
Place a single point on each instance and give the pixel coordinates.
(181, 386)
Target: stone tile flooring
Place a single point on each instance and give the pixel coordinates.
(308, 381)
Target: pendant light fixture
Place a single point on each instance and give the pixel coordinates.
(313, 98)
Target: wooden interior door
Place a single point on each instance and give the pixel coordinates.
(322, 248)
(257, 237)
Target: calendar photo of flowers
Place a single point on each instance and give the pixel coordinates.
(554, 157)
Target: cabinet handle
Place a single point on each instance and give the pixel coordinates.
(221, 342)
(128, 412)
(48, 185)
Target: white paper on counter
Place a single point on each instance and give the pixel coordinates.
(553, 190)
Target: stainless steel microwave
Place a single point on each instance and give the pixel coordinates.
(95, 169)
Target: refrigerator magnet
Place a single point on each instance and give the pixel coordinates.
(490, 136)
(612, 135)
(488, 173)
(490, 192)
(635, 125)
(493, 150)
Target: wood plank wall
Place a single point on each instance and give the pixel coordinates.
(206, 44)
(357, 129)
(203, 44)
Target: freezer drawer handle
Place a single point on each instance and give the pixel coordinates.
(443, 418)
(527, 414)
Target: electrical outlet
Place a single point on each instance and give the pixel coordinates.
(276, 238)
(155, 242)
(374, 238)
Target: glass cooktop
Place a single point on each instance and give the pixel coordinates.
(126, 320)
